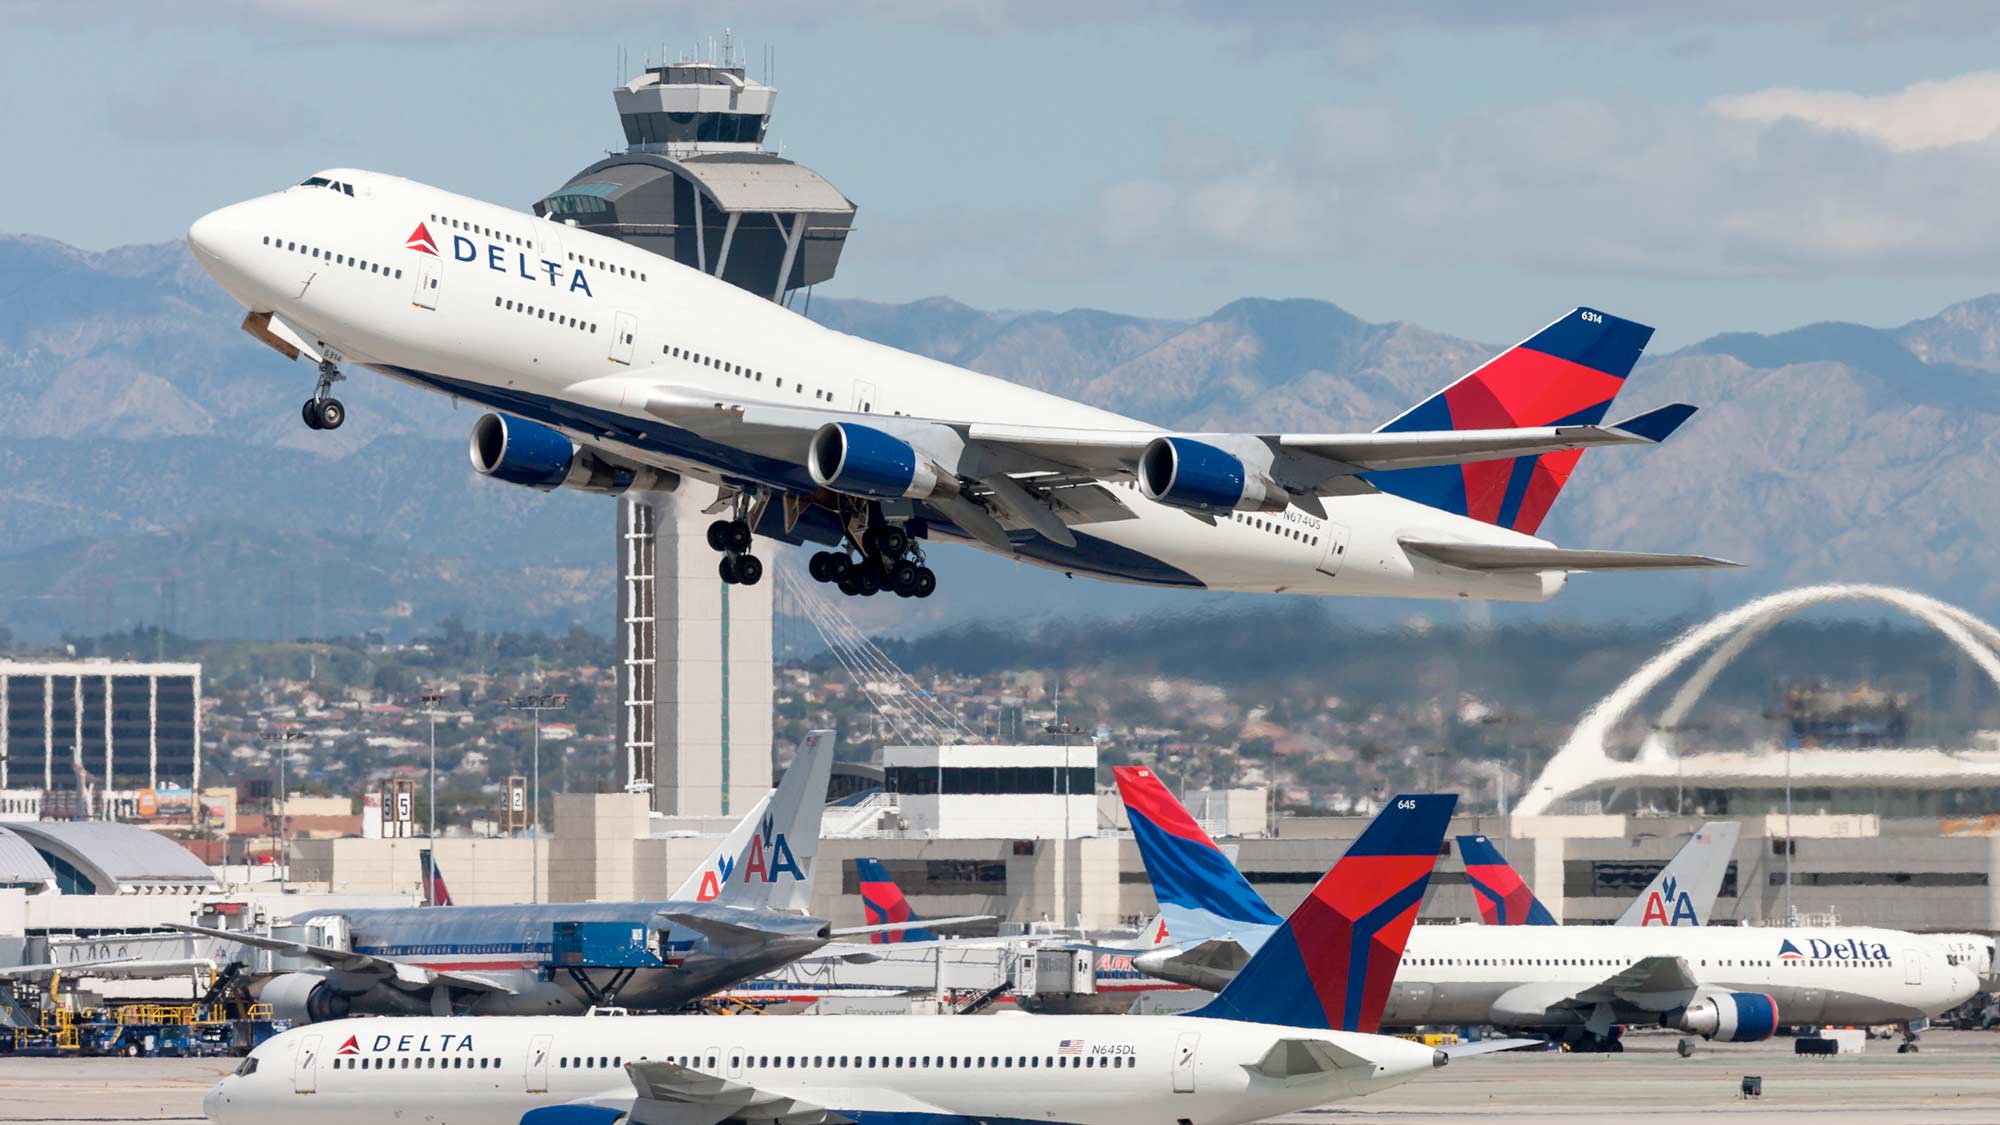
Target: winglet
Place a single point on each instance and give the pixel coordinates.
(1504, 898)
(1341, 946)
(1657, 425)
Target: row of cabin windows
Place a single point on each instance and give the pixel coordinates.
(1259, 522)
(422, 1062)
(599, 263)
(489, 232)
(925, 1062)
(526, 309)
(673, 351)
(332, 258)
(590, 1062)
(1601, 962)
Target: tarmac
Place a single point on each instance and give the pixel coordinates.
(1955, 1078)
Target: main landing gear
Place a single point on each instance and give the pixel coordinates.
(890, 560)
(323, 411)
(732, 537)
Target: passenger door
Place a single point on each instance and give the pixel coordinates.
(1913, 967)
(305, 1066)
(624, 334)
(864, 397)
(425, 296)
(1184, 1062)
(1335, 537)
(538, 1063)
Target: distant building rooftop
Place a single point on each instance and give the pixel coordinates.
(105, 857)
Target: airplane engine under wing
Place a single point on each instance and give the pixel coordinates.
(304, 998)
(1733, 1017)
(1198, 476)
(864, 461)
(536, 456)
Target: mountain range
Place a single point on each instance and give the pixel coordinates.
(157, 469)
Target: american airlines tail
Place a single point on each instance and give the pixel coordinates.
(1684, 892)
(1565, 375)
(1331, 963)
(774, 868)
(435, 893)
(1505, 899)
(883, 902)
(1201, 893)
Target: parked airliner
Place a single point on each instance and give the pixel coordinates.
(1682, 894)
(1735, 983)
(609, 368)
(1295, 1030)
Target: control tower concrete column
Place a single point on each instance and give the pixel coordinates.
(694, 675)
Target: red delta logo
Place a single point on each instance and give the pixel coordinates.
(770, 856)
(349, 1048)
(421, 241)
(1658, 912)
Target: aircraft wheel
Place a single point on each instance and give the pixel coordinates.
(310, 413)
(849, 584)
(838, 566)
(331, 414)
(748, 570)
(718, 535)
(890, 541)
(738, 534)
(926, 582)
(816, 566)
(903, 579)
(868, 580)
(727, 569)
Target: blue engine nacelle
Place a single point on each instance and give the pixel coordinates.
(1195, 475)
(1733, 1017)
(531, 454)
(864, 461)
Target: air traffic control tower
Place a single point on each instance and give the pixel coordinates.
(697, 185)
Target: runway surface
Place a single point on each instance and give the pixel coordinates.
(1955, 1079)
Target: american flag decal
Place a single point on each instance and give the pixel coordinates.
(1070, 1047)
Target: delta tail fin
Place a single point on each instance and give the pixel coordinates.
(1565, 375)
(1684, 892)
(435, 893)
(882, 900)
(767, 859)
(1331, 963)
(1505, 899)
(1201, 893)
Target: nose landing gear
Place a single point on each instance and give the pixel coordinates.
(323, 411)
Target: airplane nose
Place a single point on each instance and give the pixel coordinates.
(211, 1102)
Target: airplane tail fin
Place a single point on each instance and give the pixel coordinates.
(1684, 892)
(1566, 374)
(1201, 893)
(435, 893)
(882, 900)
(1331, 963)
(767, 859)
(1504, 898)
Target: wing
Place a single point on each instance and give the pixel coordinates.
(672, 1094)
(119, 967)
(1048, 477)
(1648, 976)
(400, 974)
(1505, 557)
(884, 927)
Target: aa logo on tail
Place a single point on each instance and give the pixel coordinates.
(711, 881)
(1669, 906)
(770, 856)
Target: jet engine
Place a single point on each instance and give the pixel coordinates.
(1733, 1017)
(1195, 475)
(304, 998)
(864, 461)
(531, 454)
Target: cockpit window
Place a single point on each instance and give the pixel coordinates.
(316, 181)
(247, 1067)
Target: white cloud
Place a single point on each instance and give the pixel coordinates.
(1953, 111)
(1581, 184)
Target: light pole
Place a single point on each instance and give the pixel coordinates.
(283, 736)
(431, 701)
(537, 704)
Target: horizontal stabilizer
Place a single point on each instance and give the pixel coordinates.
(1488, 1047)
(1657, 425)
(888, 927)
(1505, 557)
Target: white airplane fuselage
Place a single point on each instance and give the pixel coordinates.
(1087, 1070)
(1507, 974)
(559, 325)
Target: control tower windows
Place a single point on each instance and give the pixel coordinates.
(684, 128)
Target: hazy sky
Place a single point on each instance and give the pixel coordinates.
(1474, 167)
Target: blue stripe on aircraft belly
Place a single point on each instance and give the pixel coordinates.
(601, 1115)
